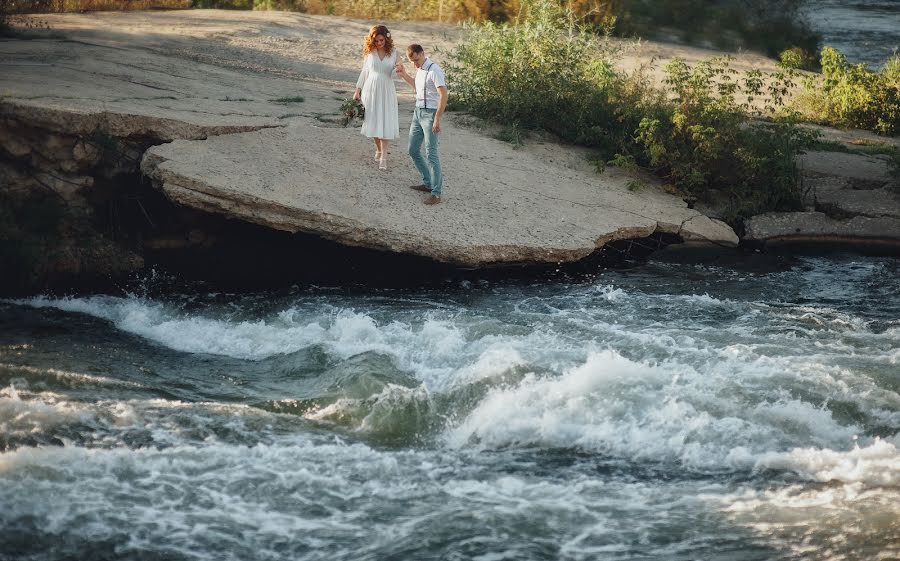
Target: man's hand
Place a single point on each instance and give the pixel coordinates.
(436, 127)
(401, 70)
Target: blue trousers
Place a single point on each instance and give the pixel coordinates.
(419, 132)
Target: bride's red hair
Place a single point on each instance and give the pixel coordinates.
(375, 32)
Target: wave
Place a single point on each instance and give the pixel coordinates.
(644, 411)
(875, 465)
(168, 326)
(433, 346)
(31, 418)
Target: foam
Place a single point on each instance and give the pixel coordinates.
(491, 364)
(601, 372)
(164, 324)
(396, 410)
(875, 465)
(300, 495)
(612, 294)
(23, 417)
(644, 411)
(68, 375)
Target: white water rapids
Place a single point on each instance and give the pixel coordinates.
(665, 412)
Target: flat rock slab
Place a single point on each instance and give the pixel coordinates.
(850, 166)
(795, 227)
(211, 82)
(857, 199)
(501, 205)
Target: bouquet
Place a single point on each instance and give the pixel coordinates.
(352, 109)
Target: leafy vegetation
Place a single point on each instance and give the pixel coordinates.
(852, 95)
(797, 58)
(702, 131)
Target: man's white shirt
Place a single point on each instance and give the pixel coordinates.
(428, 79)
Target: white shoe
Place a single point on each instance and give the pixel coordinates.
(382, 163)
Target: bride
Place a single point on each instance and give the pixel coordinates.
(375, 87)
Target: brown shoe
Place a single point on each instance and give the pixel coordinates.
(432, 200)
(421, 187)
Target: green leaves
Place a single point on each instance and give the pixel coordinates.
(852, 95)
(700, 132)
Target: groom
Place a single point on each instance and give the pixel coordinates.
(431, 100)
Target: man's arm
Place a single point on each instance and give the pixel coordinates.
(442, 104)
(401, 71)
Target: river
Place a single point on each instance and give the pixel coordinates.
(662, 412)
(865, 30)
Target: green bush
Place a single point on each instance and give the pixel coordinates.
(796, 58)
(701, 132)
(708, 139)
(851, 95)
(542, 73)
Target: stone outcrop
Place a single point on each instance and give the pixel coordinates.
(501, 205)
(236, 115)
(223, 124)
(852, 199)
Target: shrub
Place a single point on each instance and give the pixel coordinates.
(707, 139)
(541, 72)
(796, 58)
(700, 132)
(851, 95)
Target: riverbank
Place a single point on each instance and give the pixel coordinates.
(154, 133)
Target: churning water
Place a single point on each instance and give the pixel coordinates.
(666, 412)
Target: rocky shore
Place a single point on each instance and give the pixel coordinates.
(145, 133)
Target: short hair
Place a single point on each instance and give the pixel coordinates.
(414, 48)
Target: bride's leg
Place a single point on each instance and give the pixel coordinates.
(382, 163)
(377, 142)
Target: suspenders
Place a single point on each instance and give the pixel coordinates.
(425, 87)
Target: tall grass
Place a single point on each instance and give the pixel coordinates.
(112, 5)
(12, 7)
(428, 10)
(701, 132)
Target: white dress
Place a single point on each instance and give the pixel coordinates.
(379, 96)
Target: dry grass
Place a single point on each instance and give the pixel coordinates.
(107, 5)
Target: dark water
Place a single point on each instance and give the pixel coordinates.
(865, 30)
(663, 412)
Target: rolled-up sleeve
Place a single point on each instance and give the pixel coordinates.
(437, 76)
